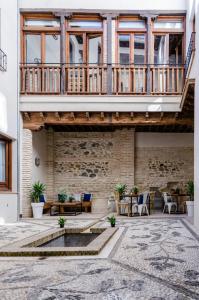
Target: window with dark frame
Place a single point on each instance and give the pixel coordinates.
(5, 164)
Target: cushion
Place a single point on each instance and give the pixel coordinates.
(77, 197)
(141, 198)
(87, 197)
(42, 198)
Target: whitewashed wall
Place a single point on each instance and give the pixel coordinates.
(104, 4)
(9, 99)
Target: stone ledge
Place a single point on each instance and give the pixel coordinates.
(28, 247)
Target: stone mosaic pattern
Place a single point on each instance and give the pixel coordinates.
(154, 259)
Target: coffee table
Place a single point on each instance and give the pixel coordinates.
(75, 208)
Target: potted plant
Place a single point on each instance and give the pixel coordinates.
(135, 190)
(190, 203)
(37, 191)
(71, 198)
(120, 189)
(62, 196)
(112, 220)
(61, 222)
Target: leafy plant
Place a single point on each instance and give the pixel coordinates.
(112, 220)
(135, 190)
(62, 196)
(120, 188)
(61, 221)
(177, 190)
(37, 190)
(71, 198)
(190, 189)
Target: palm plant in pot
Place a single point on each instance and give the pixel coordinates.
(190, 203)
(37, 191)
(112, 220)
(120, 189)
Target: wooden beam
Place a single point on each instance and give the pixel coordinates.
(118, 118)
(58, 116)
(102, 115)
(87, 115)
(27, 116)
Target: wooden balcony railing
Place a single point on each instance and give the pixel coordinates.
(93, 79)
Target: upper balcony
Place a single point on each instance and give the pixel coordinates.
(3, 61)
(102, 54)
(92, 79)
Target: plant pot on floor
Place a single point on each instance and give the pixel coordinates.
(190, 208)
(37, 209)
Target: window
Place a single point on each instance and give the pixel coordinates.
(85, 24)
(131, 49)
(85, 48)
(168, 49)
(168, 24)
(42, 48)
(43, 23)
(5, 164)
(132, 24)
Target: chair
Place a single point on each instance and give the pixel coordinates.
(142, 207)
(87, 202)
(168, 202)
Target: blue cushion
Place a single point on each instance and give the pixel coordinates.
(141, 198)
(87, 197)
(42, 198)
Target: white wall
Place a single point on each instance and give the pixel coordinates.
(9, 99)
(104, 4)
(39, 151)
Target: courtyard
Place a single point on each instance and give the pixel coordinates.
(152, 257)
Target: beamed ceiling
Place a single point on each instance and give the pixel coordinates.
(109, 121)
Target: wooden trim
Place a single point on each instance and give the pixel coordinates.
(7, 185)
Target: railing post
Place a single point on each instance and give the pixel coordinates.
(109, 17)
(63, 16)
(149, 60)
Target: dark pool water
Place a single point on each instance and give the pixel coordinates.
(71, 240)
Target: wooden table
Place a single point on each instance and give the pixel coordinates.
(76, 207)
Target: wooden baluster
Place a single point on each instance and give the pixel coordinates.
(134, 81)
(74, 81)
(144, 79)
(163, 76)
(177, 80)
(158, 69)
(168, 80)
(182, 79)
(173, 81)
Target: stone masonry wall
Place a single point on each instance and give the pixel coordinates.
(90, 162)
(155, 167)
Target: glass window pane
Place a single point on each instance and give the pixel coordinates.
(175, 48)
(45, 23)
(76, 49)
(168, 24)
(52, 48)
(2, 161)
(139, 49)
(132, 24)
(94, 49)
(33, 49)
(86, 24)
(124, 49)
(160, 49)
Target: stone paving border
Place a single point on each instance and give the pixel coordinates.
(29, 246)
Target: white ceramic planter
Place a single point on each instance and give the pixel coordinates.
(190, 208)
(37, 209)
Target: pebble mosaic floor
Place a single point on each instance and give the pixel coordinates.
(154, 259)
